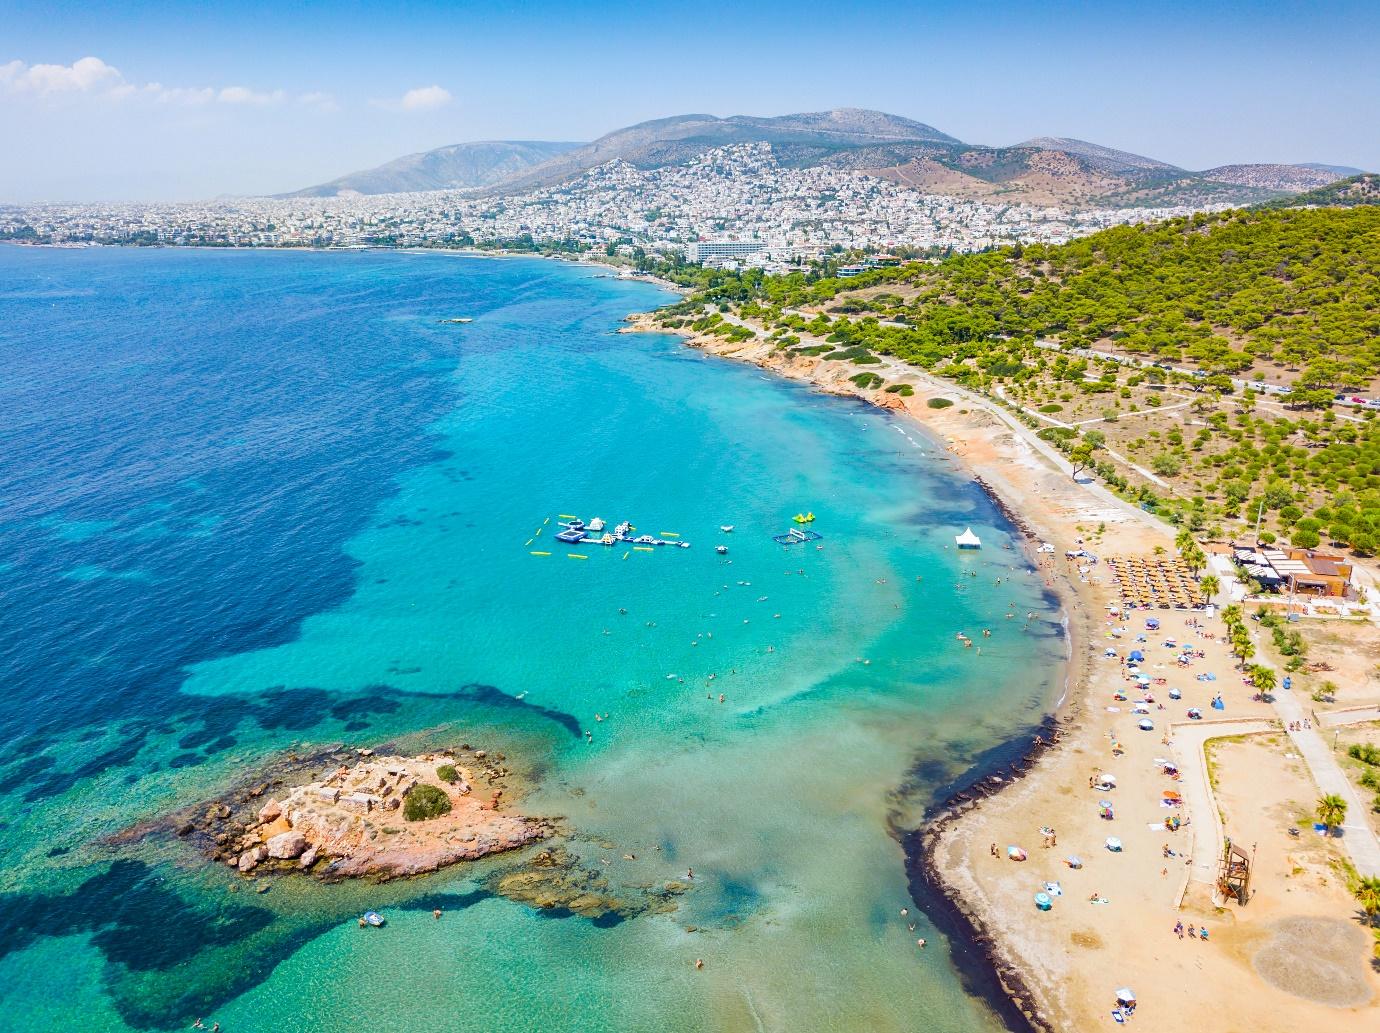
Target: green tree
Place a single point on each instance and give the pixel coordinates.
(1263, 679)
(1368, 896)
(1210, 586)
(1331, 810)
(1080, 456)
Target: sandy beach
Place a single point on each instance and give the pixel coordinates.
(1295, 957)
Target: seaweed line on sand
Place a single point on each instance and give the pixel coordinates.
(981, 966)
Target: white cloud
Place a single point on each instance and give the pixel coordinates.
(424, 98)
(244, 95)
(90, 76)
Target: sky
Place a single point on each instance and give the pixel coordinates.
(186, 100)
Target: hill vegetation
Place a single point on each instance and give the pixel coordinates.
(1343, 193)
(1291, 295)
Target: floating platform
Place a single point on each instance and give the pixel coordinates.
(796, 536)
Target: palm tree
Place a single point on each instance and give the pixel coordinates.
(1263, 678)
(1368, 895)
(1241, 643)
(1183, 541)
(1331, 810)
(1232, 614)
(1210, 586)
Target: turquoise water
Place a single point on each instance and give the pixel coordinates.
(264, 501)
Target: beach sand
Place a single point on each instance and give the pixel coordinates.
(1064, 966)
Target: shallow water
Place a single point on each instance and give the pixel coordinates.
(256, 500)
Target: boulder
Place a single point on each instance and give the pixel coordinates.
(269, 811)
(287, 845)
(307, 859)
(250, 858)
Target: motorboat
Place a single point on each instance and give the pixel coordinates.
(372, 918)
(721, 549)
(726, 528)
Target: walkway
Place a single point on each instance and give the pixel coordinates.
(1357, 837)
(1190, 740)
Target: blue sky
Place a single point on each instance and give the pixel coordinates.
(188, 100)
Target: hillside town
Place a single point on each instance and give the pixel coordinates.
(740, 193)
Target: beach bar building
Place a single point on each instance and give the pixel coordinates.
(1312, 573)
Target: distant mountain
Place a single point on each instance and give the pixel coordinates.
(1106, 159)
(458, 166)
(799, 139)
(1341, 171)
(1292, 178)
(1044, 170)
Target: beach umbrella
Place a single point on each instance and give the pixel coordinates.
(1136, 655)
(1114, 844)
(1074, 861)
(1126, 996)
(1170, 794)
(1143, 679)
(1043, 902)
(1146, 725)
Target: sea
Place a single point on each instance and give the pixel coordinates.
(257, 503)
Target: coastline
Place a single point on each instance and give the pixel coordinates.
(1034, 489)
(1058, 966)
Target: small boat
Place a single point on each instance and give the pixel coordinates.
(457, 319)
(721, 549)
(372, 918)
(726, 528)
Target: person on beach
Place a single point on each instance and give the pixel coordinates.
(994, 850)
(1179, 929)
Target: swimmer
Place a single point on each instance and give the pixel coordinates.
(689, 873)
(699, 963)
(436, 913)
(721, 697)
(920, 942)
(905, 911)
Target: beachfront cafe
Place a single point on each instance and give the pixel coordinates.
(1297, 571)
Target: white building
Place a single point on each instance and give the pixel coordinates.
(718, 250)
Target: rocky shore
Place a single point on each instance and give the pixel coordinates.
(343, 813)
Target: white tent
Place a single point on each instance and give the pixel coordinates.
(968, 540)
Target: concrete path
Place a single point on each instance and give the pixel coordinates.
(1189, 740)
(1357, 837)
